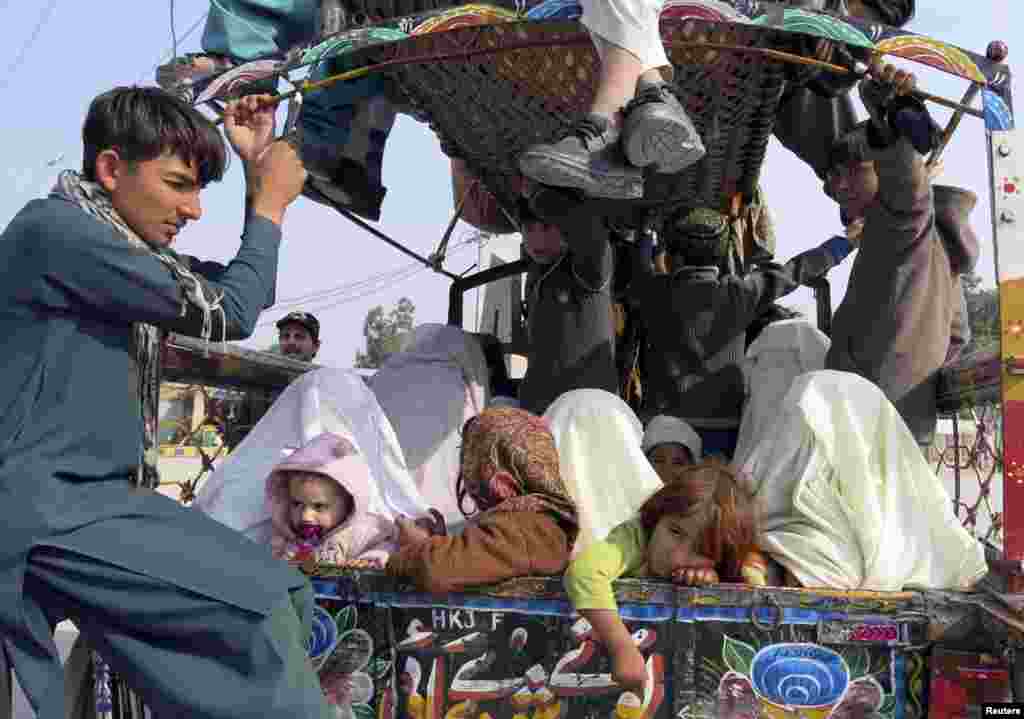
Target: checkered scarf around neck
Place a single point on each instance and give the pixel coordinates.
(94, 200)
(510, 464)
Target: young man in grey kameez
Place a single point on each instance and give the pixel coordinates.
(197, 619)
(903, 309)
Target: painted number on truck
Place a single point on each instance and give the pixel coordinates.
(860, 633)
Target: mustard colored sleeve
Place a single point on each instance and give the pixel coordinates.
(588, 581)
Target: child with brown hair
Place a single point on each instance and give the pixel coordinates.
(697, 530)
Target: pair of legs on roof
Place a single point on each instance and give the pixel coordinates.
(634, 120)
(343, 127)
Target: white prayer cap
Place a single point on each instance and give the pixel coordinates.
(665, 428)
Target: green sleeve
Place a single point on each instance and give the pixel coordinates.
(588, 581)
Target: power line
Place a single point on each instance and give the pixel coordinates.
(399, 275)
(340, 289)
(171, 52)
(174, 34)
(405, 273)
(44, 17)
(349, 287)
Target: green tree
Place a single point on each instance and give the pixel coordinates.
(384, 332)
(983, 312)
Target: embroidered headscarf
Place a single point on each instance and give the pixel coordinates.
(96, 201)
(510, 464)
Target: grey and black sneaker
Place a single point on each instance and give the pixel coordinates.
(657, 131)
(588, 159)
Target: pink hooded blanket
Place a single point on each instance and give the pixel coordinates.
(362, 535)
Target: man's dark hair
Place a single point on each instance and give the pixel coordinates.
(142, 123)
(698, 238)
(893, 12)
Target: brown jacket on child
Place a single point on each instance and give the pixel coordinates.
(501, 545)
(528, 523)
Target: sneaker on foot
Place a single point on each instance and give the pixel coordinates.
(588, 159)
(657, 131)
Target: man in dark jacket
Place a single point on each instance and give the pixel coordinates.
(570, 333)
(196, 618)
(696, 322)
(904, 296)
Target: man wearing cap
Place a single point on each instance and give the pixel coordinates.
(696, 321)
(903, 302)
(299, 335)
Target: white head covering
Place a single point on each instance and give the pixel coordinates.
(846, 499)
(664, 429)
(782, 352)
(428, 391)
(602, 464)
(323, 400)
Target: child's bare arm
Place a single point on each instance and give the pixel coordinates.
(588, 581)
(628, 669)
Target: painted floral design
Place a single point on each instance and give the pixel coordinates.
(342, 654)
(799, 675)
(324, 636)
(837, 685)
(736, 698)
(863, 700)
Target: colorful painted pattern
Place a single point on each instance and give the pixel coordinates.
(934, 53)
(465, 16)
(811, 23)
(710, 10)
(526, 655)
(1007, 151)
(850, 31)
(233, 80)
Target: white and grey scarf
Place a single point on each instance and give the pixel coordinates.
(93, 199)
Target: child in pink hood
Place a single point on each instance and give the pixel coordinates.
(320, 505)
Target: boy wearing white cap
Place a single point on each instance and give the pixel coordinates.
(670, 444)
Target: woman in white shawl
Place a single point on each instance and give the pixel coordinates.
(601, 460)
(324, 400)
(783, 351)
(846, 499)
(428, 391)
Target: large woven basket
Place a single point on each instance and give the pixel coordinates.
(530, 80)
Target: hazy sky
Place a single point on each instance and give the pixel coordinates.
(58, 55)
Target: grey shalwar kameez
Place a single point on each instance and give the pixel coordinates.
(569, 319)
(904, 296)
(199, 620)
